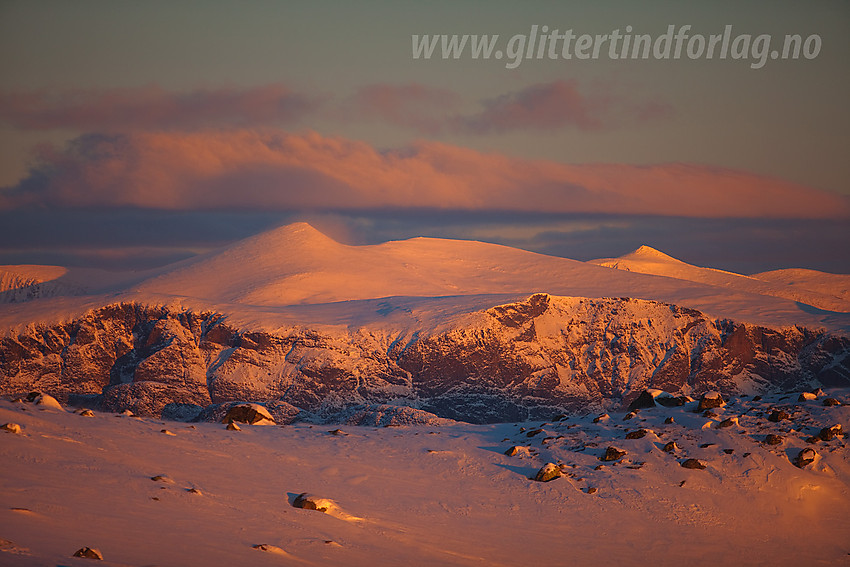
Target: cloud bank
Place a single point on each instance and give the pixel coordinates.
(152, 108)
(276, 170)
(413, 106)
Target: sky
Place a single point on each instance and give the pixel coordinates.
(133, 134)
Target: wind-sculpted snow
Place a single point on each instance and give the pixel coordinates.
(511, 362)
(19, 284)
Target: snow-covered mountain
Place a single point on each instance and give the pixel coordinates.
(296, 329)
(466, 330)
(27, 282)
(817, 289)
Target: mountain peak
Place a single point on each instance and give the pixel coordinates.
(645, 252)
(301, 235)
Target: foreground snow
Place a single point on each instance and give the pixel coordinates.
(428, 495)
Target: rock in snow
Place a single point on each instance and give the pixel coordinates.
(693, 464)
(805, 457)
(276, 411)
(612, 454)
(11, 428)
(381, 415)
(312, 502)
(549, 471)
(89, 553)
(639, 434)
(253, 414)
(518, 450)
(778, 415)
(830, 433)
(644, 401)
(710, 400)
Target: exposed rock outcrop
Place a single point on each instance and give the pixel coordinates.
(514, 362)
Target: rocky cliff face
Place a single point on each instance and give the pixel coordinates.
(517, 361)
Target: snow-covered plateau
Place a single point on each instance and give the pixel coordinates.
(392, 380)
(143, 491)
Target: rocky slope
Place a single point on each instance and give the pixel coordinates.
(511, 362)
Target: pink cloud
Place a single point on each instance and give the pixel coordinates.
(425, 109)
(547, 106)
(152, 108)
(274, 170)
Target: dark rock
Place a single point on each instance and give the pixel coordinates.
(732, 421)
(11, 428)
(778, 415)
(639, 434)
(829, 433)
(149, 399)
(710, 414)
(772, 439)
(693, 464)
(831, 402)
(599, 418)
(671, 401)
(728, 451)
(534, 432)
(247, 413)
(549, 471)
(311, 502)
(231, 426)
(630, 415)
(757, 398)
(612, 454)
(670, 446)
(805, 457)
(383, 415)
(89, 553)
(592, 490)
(281, 412)
(181, 412)
(669, 420)
(814, 439)
(516, 450)
(710, 400)
(162, 478)
(644, 401)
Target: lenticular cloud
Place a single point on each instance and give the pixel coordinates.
(276, 170)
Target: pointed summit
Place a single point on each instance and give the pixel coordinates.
(645, 252)
(284, 240)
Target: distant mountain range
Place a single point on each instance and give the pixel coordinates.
(466, 330)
